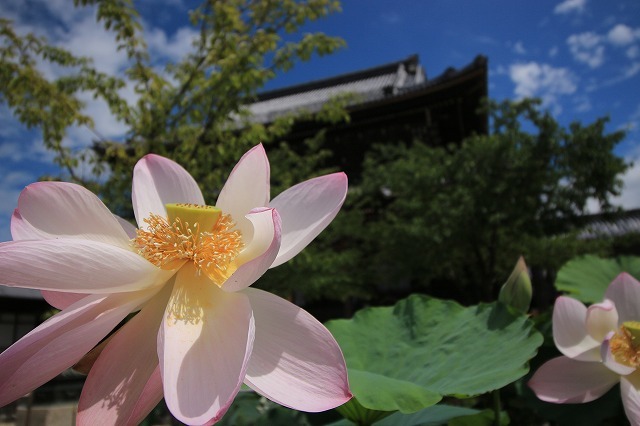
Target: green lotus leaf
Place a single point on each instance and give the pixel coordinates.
(586, 278)
(436, 345)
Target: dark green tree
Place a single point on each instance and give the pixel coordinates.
(455, 219)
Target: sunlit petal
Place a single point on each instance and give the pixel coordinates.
(248, 184)
(123, 385)
(601, 319)
(295, 361)
(49, 210)
(158, 181)
(565, 380)
(204, 345)
(77, 266)
(624, 292)
(259, 254)
(306, 209)
(630, 392)
(61, 341)
(570, 330)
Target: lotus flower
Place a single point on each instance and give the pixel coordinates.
(601, 347)
(201, 331)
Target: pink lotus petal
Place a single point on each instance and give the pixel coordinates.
(124, 384)
(630, 392)
(609, 361)
(306, 209)
(570, 330)
(65, 210)
(624, 292)
(601, 319)
(565, 380)
(261, 251)
(61, 341)
(127, 227)
(77, 266)
(247, 186)
(204, 345)
(158, 181)
(295, 362)
(61, 300)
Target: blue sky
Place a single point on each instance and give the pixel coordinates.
(582, 57)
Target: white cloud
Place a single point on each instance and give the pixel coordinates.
(622, 35)
(630, 195)
(518, 48)
(172, 48)
(553, 52)
(568, 6)
(542, 80)
(633, 52)
(587, 48)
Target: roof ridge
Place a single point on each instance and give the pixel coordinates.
(388, 68)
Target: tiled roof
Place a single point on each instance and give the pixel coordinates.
(369, 85)
(602, 225)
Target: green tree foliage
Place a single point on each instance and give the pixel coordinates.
(454, 219)
(193, 110)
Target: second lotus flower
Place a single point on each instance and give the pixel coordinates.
(201, 331)
(601, 347)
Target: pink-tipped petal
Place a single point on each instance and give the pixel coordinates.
(124, 384)
(601, 319)
(565, 380)
(60, 300)
(306, 209)
(259, 254)
(248, 184)
(296, 362)
(630, 392)
(204, 345)
(65, 210)
(609, 360)
(158, 181)
(76, 266)
(624, 292)
(570, 330)
(60, 342)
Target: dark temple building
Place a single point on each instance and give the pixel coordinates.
(391, 102)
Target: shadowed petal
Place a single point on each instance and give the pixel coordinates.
(624, 292)
(601, 319)
(78, 266)
(295, 361)
(127, 227)
(158, 181)
(630, 392)
(49, 210)
(61, 341)
(204, 344)
(564, 380)
(570, 330)
(124, 384)
(258, 256)
(248, 184)
(61, 300)
(306, 209)
(608, 359)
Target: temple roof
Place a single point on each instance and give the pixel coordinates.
(369, 86)
(608, 225)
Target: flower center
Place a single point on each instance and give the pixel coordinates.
(625, 344)
(202, 234)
